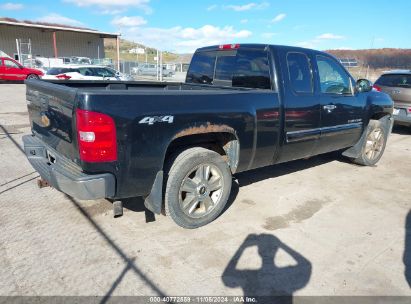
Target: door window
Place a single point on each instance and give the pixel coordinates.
(86, 71)
(299, 71)
(333, 78)
(102, 72)
(11, 64)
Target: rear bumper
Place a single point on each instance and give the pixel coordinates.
(403, 118)
(64, 175)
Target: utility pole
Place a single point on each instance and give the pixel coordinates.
(157, 64)
(161, 65)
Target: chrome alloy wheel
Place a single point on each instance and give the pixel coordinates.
(374, 144)
(201, 190)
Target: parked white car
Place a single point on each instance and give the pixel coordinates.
(85, 72)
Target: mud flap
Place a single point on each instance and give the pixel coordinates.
(154, 200)
(355, 151)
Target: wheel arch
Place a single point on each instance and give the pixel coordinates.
(219, 138)
(385, 118)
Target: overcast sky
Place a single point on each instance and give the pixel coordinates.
(182, 26)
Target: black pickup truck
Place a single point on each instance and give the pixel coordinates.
(178, 144)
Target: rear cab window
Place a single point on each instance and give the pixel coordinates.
(395, 80)
(242, 68)
(300, 73)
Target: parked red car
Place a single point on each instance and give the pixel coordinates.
(12, 70)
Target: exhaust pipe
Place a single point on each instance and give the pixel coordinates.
(117, 208)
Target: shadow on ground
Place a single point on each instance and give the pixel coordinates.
(269, 280)
(401, 130)
(407, 249)
(251, 177)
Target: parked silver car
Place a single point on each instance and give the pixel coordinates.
(398, 85)
(150, 69)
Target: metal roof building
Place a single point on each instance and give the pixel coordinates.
(52, 40)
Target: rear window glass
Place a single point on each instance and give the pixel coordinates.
(395, 80)
(239, 68)
(202, 68)
(57, 71)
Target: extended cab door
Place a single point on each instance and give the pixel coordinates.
(12, 71)
(301, 105)
(342, 110)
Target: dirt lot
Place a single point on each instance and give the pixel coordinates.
(315, 227)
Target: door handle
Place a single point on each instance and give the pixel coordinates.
(329, 108)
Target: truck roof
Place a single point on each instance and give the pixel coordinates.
(258, 46)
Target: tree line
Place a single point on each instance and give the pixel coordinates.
(378, 58)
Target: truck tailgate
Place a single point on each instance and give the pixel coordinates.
(51, 111)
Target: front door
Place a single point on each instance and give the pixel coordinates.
(341, 109)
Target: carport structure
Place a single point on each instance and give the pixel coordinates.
(55, 40)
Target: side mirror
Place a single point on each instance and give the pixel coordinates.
(363, 85)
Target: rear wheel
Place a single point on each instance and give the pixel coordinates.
(374, 144)
(198, 187)
(33, 76)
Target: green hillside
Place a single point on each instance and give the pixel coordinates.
(125, 46)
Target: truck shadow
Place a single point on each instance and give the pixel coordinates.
(274, 171)
(254, 176)
(401, 130)
(270, 283)
(136, 204)
(248, 178)
(407, 249)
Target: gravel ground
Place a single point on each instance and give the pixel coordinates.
(313, 227)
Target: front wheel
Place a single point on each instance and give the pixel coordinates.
(374, 144)
(198, 187)
(33, 76)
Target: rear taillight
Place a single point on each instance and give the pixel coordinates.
(96, 134)
(229, 46)
(376, 88)
(63, 76)
(409, 110)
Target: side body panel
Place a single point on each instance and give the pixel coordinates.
(142, 146)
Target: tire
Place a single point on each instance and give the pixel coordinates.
(374, 144)
(32, 76)
(197, 188)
